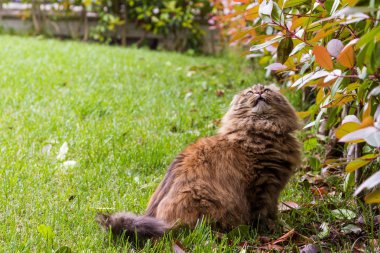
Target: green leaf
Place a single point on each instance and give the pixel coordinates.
(310, 144)
(343, 214)
(368, 37)
(349, 182)
(265, 44)
(356, 164)
(242, 231)
(351, 228)
(284, 49)
(334, 7)
(293, 3)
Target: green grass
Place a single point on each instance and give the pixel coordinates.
(125, 114)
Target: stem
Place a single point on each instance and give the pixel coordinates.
(351, 31)
(291, 33)
(302, 15)
(371, 77)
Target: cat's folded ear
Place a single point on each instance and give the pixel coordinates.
(234, 101)
(274, 87)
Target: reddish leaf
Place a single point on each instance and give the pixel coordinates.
(367, 110)
(252, 13)
(319, 191)
(241, 34)
(322, 57)
(339, 99)
(298, 21)
(284, 237)
(346, 57)
(368, 121)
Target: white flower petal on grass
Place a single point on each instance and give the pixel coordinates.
(46, 149)
(68, 164)
(63, 151)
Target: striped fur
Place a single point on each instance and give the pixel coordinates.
(230, 179)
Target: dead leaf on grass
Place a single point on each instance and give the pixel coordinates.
(287, 205)
(319, 191)
(219, 93)
(309, 248)
(351, 228)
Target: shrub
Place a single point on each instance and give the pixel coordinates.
(329, 47)
(180, 18)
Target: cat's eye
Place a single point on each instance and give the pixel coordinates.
(267, 90)
(249, 93)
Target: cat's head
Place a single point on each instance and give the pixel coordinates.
(260, 108)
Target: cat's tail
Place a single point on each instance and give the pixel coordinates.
(129, 225)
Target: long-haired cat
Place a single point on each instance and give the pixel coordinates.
(230, 179)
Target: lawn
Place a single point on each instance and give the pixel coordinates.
(124, 114)
(88, 128)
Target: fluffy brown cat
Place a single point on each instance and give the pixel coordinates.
(230, 179)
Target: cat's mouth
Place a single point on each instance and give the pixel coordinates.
(260, 100)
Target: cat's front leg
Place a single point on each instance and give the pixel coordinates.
(264, 207)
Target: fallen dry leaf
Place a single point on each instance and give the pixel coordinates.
(219, 93)
(309, 248)
(319, 191)
(284, 237)
(287, 205)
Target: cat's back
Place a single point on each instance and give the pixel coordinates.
(204, 180)
(215, 156)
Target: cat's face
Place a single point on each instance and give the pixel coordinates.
(261, 107)
(260, 99)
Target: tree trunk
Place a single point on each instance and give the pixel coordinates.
(85, 23)
(1, 10)
(36, 16)
(124, 15)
